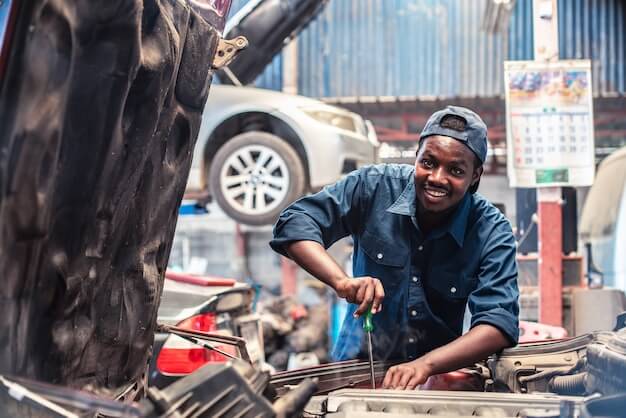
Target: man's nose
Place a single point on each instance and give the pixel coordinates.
(437, 175)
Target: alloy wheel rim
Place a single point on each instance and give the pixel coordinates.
(254, 179)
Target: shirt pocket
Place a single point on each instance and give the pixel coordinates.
(383, 253)
(452, 286)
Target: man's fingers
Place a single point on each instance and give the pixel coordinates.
(399, 377)
(365, 296)
(351, 295)
(360, 292)
(379, 295)
(395, 382)
(362, 308)
(388, 378)
(369, 294)
(414, 381)
(351, 291)
(407, 375)
(366, 292)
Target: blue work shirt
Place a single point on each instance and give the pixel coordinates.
(429, 279)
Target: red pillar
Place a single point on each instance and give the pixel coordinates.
(550, 258)
(240, 241)
(546, 48)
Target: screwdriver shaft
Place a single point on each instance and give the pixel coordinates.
(369, 346)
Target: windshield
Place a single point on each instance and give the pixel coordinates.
(602, 205)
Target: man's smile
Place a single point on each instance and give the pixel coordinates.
(435, 193)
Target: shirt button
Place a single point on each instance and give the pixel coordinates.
(413, 313)
(379, 255)
(415, 279)
(420, 248)
(453, 289)
(411, 340)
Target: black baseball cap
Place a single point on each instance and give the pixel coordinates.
(462, 124)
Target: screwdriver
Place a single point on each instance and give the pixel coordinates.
(368, 327)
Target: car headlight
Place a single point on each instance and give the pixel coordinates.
(338, 120)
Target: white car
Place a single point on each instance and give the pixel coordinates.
(258, 150)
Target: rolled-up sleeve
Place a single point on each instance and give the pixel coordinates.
(496, 299)
(324, 217)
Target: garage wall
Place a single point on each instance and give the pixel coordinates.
(595, 30)
(437, 48)
(400, 48)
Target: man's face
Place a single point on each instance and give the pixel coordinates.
(444, 171)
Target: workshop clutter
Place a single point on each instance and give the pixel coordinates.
(294, 335)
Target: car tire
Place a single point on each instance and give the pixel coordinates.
(254, 175)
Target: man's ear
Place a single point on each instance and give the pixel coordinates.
(476, 175)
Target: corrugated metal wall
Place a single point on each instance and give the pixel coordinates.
(588, 29)
(400, 48)
(594, 29)
(436, 47)
(520, 35)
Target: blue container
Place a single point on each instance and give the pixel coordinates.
(337, 314)
(5, 6)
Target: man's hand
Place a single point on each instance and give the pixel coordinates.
(407, 375)
(364, 291)
(478, 343)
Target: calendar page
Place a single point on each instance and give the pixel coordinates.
(550, 139)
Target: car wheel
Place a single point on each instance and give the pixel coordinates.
(254, 176)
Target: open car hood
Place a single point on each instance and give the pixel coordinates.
(268, 25)
(96, 99)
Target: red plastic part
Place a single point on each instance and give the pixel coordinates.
(187, 360)
(204, 322)
(457, 380)
(180, 361)
(533, 331)
(200, 280)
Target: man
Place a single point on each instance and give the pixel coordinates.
(425, 247)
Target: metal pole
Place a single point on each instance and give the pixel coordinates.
(550, 268)
(289, 282)
(290, 67)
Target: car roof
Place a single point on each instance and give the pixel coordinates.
(221, 93)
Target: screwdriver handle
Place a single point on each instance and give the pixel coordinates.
(368, 325)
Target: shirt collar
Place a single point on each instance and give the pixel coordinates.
(405, 205)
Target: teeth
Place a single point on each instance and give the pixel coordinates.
(436, 193)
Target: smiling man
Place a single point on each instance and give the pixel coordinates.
(426, 246)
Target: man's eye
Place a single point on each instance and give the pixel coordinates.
(457, 171)
(427, 163)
